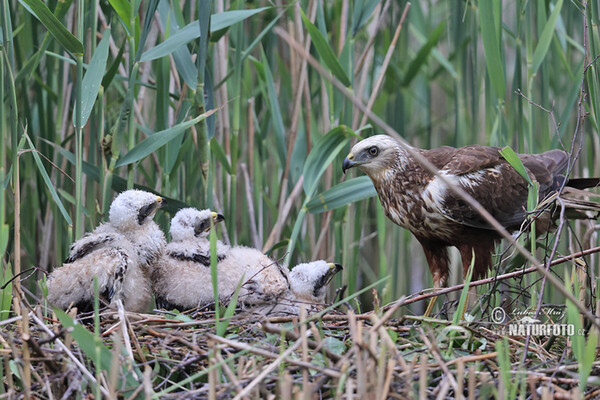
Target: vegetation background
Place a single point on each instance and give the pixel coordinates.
(102, 96)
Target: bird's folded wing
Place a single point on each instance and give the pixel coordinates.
(91, 242)
(73, 283)
(464, 160)
(196, 256)
(499, 189)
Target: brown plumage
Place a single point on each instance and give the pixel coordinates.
(419, 201)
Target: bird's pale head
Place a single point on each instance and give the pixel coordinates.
(373, 155)
(191, 223)
(309, 281)
(134, 208)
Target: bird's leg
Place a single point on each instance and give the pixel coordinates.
(437, 258)
(467, 255)
(437, 284)
(430, 306)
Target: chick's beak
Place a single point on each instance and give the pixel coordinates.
(333, 270)
(348, 162)
(217, 217)
(161, 201)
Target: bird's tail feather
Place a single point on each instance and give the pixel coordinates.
(583, 183)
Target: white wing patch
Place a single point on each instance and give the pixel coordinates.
(435, 192)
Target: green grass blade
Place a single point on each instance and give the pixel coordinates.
(114, 67)
(148, 25)
(48, 182)
(491, 46)
(181, 55)
(464, 294)
(219, 153)
(228, 18)
(325, 51)
(416, 64)
(32, 63)
(159, 139)
(325, 150)
(4, 235)
(514, 160)
(273, 103)
(347, 192)
(6, 293)
(230, 310)
(191, 32)
(589, 356)
(180, 38)
(54, 26)
(504, 363)
(545, 38)
(121, 7)
(93, 78)
(362, 12)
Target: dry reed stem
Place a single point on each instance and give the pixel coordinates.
(266, 371)
(334, 373)
(384, 66)
(283, 214)
(66, 350)
(290, 335)
(250, 201)
(435, 351)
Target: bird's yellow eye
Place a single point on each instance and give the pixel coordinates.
(374, 151)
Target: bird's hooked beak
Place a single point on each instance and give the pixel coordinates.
(151, 209)
(161, 202)
(348, 162)
(207, 224)
(216, 218)
(333, 269)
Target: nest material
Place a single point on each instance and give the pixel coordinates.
(349, 356)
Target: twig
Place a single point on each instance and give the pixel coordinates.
(435, 351)
(266, 371)
(289, 335)
(38, 352)
(334, 373)
(68, 352)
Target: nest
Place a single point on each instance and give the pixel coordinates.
(116, 354)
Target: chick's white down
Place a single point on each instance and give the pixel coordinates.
(120, 253)
(183, 279)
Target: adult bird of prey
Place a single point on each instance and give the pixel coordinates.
(182, 276)
(120, 253)
(421, 202)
